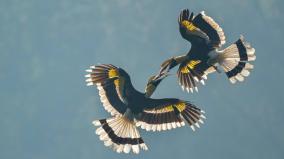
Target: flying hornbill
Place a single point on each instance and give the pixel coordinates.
(130, 109)
(204, 57)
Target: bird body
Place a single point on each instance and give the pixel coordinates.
(205, 55)
(130, 109)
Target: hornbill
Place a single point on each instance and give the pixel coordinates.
(205, 55)
(130, 109)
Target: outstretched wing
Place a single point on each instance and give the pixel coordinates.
(192, 72)
(108, 82)
(189, 31)
(169, 114)
(200, 29)
(210, 28)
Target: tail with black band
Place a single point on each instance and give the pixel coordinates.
(121, 134)
(235, 60)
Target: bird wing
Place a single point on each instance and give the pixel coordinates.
(191, 72)
(210, 28)
(109, 84)
(166, 114)
(189, 31)
(200, 29)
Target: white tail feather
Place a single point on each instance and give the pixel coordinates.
(121, 134)
(234, 60)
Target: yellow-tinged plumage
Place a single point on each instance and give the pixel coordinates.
(191, 65)
(113, 73)
(185, 70)
(188, 25)
(116, 82)
(181, 107)
(169, 108)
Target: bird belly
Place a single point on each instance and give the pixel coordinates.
(213, 57)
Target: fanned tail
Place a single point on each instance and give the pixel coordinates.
(121, 134)
(235, 60)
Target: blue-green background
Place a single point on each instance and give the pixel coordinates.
(46, 110)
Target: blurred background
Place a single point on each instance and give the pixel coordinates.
(46, 110)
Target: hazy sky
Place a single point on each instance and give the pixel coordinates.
(46, 110)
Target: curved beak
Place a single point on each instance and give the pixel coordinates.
(160, 77)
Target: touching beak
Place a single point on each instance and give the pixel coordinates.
(160, 77)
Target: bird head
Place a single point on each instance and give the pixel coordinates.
(153, 83)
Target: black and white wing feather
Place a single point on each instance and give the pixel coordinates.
(169, 114)
(210, 28)
(108, 82)
(189, 31)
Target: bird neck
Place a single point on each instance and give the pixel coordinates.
(149, 90)
(129, 87)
